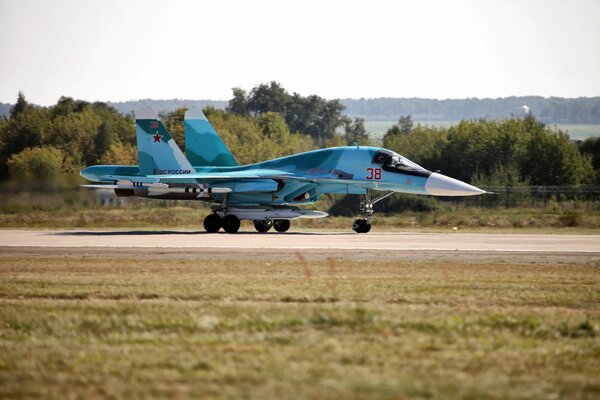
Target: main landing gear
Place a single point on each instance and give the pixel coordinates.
(262, 225)
(212, 223)
(280, 225)
(231, 224)
(363, 225)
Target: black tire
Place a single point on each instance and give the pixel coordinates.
(212, 223)
(361, 226)
(281, 225)
(263, 225)
(231, 223)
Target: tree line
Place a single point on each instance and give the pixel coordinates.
(553, 110)
(267, 122)
(508, 152)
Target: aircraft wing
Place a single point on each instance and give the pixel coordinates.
(242, 181)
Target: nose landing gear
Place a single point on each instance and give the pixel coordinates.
(363, 225)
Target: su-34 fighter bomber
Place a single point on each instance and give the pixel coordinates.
(270, 192)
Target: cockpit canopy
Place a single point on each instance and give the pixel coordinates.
(394, 162)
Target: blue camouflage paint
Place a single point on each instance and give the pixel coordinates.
(158, 153)
(203, 146)
(296, 179)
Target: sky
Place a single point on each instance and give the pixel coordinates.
(119, 50)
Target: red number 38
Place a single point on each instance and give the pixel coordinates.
(374, 173)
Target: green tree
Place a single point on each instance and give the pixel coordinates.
(20, 106)
(316, 117)
(550, 159)
(424, 145)
(122, 127)
(336, 140)
(75, 133)
(403, 127)
(283, 141)
(310, 115)
(506, 183)
(39, 163)
(268, 97)
(405, 123)
(29, 128)
(103, 140)
(120, 154)
(239, 103)
(68, 105)
(241, 134)
(174, 123)
(591, 148)
(355, 132)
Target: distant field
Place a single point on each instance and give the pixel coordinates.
(104, 325)
(576, 131)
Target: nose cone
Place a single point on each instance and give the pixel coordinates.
(442, 185)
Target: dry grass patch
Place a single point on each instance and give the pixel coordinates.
(126, 327)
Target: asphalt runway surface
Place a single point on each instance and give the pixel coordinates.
(248, 242)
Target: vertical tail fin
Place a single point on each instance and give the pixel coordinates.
(158, 154)
(203, 146)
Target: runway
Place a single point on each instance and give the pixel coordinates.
(374, 241)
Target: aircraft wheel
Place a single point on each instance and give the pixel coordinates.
(281, 225)
(212, 223)
(231, 223)
(263, 225)
(361, 226)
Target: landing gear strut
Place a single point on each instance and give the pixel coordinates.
(363, 225)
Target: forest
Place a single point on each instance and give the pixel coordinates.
(553, 110)
(515, 154)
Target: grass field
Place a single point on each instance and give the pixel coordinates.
(552, 220)
(91, 324)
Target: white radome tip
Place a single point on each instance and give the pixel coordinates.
(442, 185)
(195, 113)
(146, 113)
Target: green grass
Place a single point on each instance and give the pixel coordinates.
(557, 220)
(104, 325)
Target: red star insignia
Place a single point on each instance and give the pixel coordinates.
(157, 138)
